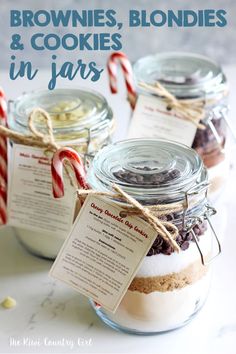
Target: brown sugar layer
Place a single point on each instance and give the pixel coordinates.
(169, 282)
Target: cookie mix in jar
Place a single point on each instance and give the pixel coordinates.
(80, 119)
(192, 78)
(169, 287)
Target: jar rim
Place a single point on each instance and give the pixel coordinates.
(130, 155)
(97, 113)
(183, 74)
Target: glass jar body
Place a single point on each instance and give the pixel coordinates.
(215, 154)
(167, 291)
(190, 76)
(169, 287)
(157, 303)
(87, 133)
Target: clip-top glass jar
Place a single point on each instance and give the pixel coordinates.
(81, 119)
(169, 287)
(191, 76)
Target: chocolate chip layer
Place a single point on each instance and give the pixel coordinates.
(183, 240)
(157, 179)
(144, 179)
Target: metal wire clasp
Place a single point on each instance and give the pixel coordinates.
(224, 112)
(191, 221)
(214, 131)
(87, 155)
(206, 216)
(9, 105)
(191, 198)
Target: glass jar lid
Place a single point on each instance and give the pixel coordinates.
(70, 109)
(147, 168)
(183, 74)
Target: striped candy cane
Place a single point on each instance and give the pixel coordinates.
(57, 170)
(3, 161)
(112, 65)
(97, 306)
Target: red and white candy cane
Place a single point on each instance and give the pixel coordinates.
(112, 65)
(57, 170)
(3, 161)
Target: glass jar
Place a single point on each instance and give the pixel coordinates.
(169, 287)
(191, 76)
(81, 119)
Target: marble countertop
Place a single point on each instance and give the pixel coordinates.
(50, 317)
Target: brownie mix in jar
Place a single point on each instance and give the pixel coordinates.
(194, 77)
(80, 119)
(169, 287)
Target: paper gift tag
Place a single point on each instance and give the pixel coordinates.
(103, 252)
(31, 204)
(151, 119)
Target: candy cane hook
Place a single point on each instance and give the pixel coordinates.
(57, 170)
(3, 160)
(112, 65)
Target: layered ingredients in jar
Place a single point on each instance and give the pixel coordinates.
(194, 78)
(169, 287)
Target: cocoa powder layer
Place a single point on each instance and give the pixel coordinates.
(169, 282)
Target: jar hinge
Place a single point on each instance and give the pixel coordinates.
(196, 220)
(224, 112)
(89, 156)
(214, 131)
(190, 198)
(9, 105)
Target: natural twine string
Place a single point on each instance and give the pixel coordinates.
(167, 230)
(38, 139)
(190, 110)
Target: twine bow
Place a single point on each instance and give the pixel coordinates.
(189, 109)
(38, 139)
(47, 139)
(167, 230)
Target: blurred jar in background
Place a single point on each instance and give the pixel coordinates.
(194, 77)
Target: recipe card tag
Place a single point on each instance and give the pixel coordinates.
(151, 119)
(31, 204)
(103, 252)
